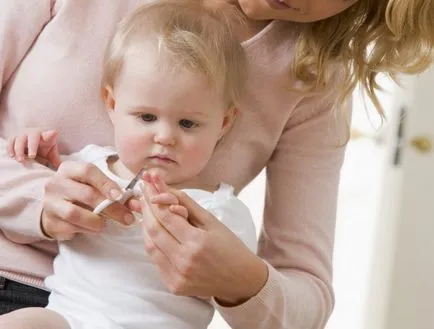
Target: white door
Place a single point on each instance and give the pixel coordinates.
(402, 287)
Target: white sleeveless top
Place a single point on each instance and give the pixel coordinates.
(107, 281)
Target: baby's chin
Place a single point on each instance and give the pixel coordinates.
(168, 177)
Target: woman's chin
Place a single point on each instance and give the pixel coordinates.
(254, 10)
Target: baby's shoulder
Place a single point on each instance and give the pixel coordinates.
(92, 153)
(221, 197)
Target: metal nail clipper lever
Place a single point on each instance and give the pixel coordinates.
(127, 194)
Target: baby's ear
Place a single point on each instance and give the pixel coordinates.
(108, 97)
(229, 119)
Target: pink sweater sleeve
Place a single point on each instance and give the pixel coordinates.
(21, 187)
(299, 221)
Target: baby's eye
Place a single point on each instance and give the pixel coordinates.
(187, 124)
(148, 117)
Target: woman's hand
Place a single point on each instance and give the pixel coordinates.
(70, 196)
(198, 256)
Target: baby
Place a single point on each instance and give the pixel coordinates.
(173, 73)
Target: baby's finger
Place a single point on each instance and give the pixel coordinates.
(33, 139)
(20, 147)
(49, 136)
(148, 185)
(147, 177)
(179, 210)
(11, 146)
(159, 184)
(53, 157)
(144, 202)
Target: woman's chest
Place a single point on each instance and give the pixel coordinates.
(57, 84)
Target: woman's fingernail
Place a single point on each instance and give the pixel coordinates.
(129, 219)
(115, 194)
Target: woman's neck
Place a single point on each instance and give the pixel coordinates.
(245, 28)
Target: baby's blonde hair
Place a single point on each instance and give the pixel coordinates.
(190, 36)
(370, 37)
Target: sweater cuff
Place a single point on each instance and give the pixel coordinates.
(38, 230)
(256, 308)
(41, 231)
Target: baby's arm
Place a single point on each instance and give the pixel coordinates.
(33, 318)
(35, 144)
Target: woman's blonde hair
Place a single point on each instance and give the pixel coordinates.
(370, 37)
(188, 35)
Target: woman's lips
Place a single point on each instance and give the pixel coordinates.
(278, 5)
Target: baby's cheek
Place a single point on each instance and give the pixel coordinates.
(200, 155)
(131, 147)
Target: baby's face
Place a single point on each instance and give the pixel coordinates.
(167, 121)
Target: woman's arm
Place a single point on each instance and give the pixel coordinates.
(21, 22)
(299, 222)
(202, 257)
(21, 187)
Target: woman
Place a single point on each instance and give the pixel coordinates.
(305, 57)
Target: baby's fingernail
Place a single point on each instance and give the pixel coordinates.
(115, 194)
(129, 219)
(32, 156)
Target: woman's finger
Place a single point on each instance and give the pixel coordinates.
(88, 197)
(134, 205)
(162, 262)
(73, 214)
(174, 224)
(89, 174)
(56, 228)
(101, 187)
(164, 239)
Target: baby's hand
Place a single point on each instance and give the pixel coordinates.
(164, 197)
(35, 144)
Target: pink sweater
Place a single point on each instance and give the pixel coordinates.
(50, 68)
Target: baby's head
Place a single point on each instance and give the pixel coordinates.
(173, 73)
